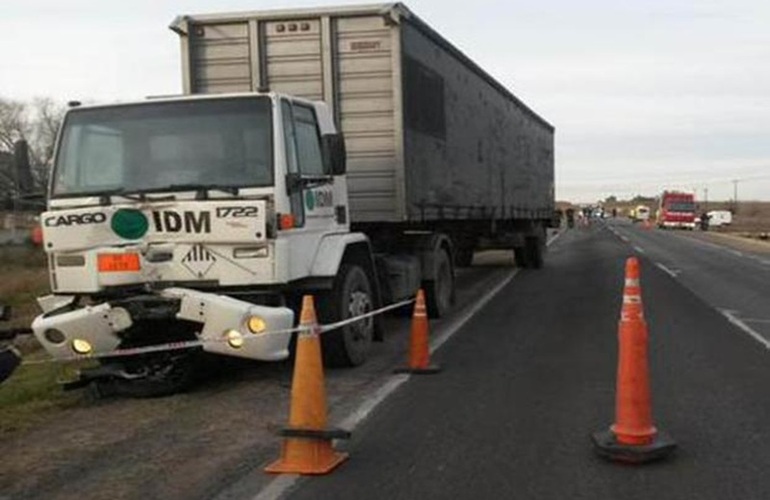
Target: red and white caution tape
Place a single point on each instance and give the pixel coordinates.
(176, 346)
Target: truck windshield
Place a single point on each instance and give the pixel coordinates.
(681, 206)
(159, 146)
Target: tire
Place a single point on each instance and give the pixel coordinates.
(521, 257)
(534, 249)
(440, 292)
(167, 373)
(351, 296)
(464, 257)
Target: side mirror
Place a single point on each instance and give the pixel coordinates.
(24, 181)
(293, 183)
(334, 155)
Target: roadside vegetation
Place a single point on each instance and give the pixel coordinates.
(33, 391)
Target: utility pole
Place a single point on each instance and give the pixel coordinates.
(706, 199)
(735, 196)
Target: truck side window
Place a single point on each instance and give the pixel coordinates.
(289, 137)
(308, 141)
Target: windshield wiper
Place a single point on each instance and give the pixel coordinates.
(105, 197)
(201, 190)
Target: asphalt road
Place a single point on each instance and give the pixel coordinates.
(732, 278)
(532, 375)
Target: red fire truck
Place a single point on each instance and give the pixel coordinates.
(676, 210)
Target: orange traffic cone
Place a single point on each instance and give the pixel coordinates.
(633, 438)
(419, 350)
(307, 447)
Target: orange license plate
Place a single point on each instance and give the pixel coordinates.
(118, 262)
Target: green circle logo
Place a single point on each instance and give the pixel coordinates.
(310, 200)
(129, 224)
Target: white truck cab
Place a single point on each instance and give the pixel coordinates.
(201, 217)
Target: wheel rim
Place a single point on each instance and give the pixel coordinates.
(360, 303)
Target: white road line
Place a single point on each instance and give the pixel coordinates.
(624, 238)
(756, 320)
(458, 323)
(639, 249)
(671, 272)
(363, 410)
(730, 315)
(553, 238)
(277, 487)
(735, 252)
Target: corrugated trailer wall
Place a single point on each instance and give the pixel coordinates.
(428, 136)
(347, 60)
(469, 148)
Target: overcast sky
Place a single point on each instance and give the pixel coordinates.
(644, 95)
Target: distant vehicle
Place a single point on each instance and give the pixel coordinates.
(676, 210)
(719, 218)
(640, 213)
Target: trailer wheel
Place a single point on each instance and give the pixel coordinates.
(351, 296)
(521, 257)
(534, 250)
(440, 292)
(464, 257)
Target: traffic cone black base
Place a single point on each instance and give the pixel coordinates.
(428, 370)
(607, 446)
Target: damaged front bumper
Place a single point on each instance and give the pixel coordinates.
(227, 326)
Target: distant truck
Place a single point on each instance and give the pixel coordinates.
(208, 216)
(676, 210)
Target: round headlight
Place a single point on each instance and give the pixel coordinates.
(234, 338)
(81, 346)
(256, 324)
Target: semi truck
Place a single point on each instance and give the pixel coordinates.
(676, 210)
(351, 153)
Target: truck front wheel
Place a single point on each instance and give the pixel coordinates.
(351, 296)
(154, 374)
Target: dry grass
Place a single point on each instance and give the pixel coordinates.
(23, 278)
(33, 391)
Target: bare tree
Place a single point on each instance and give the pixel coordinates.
(36, 122)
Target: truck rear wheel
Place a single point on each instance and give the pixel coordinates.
(464, 257)
(535, 249)
(351, 296)
(521, 257)
(440, 292)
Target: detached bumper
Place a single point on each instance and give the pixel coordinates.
(96, 329)
(224, 317)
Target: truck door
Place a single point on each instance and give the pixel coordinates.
(313, 196)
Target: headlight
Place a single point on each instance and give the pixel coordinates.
(234, 338)
(81, 346)
(255, 324)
